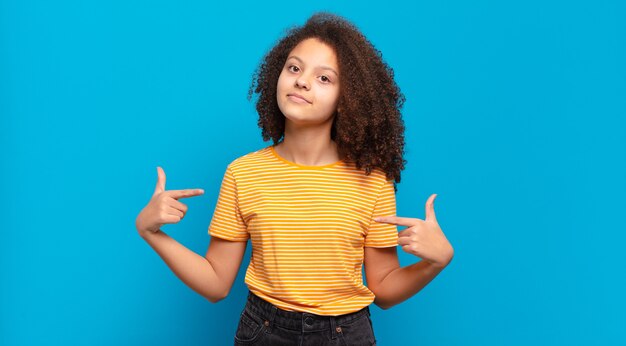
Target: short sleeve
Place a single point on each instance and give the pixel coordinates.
(383, 234)
(227, 222)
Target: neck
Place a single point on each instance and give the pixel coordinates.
(309, 146)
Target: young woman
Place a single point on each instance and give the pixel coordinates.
(317, 204)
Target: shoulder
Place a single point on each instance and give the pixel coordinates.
(376, 177)
(250, 159)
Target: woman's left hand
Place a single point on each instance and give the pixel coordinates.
(423, 238)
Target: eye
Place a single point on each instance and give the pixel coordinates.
(325, 79)
(293, 68)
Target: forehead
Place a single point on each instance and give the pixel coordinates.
(315, 52)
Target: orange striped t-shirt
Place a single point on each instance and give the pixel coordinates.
(308, 226)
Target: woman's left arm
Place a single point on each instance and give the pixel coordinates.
(422, 238)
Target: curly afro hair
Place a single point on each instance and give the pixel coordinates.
(368, 127)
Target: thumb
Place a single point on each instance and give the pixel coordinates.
(430, 208)
(160, 186)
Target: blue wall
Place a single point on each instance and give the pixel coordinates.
(515, 117)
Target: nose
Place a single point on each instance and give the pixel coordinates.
(302, 83)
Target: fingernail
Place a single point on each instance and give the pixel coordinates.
(376, 219)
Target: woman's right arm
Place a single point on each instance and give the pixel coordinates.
(211, 276)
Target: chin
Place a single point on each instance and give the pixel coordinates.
(301, 115)
(294, 113)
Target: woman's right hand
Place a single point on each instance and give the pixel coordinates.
(163, 207)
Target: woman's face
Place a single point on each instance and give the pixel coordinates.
(308, 86)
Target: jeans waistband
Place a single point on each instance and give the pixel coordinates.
(298, 321)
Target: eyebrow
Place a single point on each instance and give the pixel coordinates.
(322, 67)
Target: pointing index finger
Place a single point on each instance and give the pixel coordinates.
(402, 221)
(185, 193)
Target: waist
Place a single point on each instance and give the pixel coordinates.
(295, 320)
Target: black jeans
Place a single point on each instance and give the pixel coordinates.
(262, 323)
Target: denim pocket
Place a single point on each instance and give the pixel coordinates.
(249, 329)
(357, 332)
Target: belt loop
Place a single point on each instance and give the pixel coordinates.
(333, 328)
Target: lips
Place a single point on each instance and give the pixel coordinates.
(297, 98)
